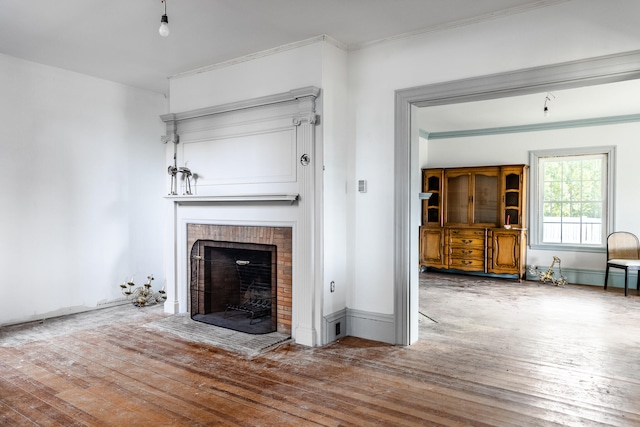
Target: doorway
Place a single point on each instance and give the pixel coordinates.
(593, 71)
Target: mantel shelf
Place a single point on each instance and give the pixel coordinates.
(234, 198)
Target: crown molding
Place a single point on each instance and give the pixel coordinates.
(459, 23)
(262, 54)
(535, 127)
(308, 94)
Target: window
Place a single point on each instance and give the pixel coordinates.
(572, 198)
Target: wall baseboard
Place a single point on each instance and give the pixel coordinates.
(334, 327)
(371, 326)
(576, 276)
(66, 311)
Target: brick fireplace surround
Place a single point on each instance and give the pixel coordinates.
(281, 237)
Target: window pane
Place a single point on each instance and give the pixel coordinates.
(552, 170)
(552, 191)
(592, 169)
(572, 199)
(592, 211)
(547, 208)
(591, 191)
(571, 170)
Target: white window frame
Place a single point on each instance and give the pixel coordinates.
(535, 209)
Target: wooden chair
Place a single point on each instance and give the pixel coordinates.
(623, 251)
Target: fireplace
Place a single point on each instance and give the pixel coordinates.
(233, 285)
(257, 163)
(240, 277)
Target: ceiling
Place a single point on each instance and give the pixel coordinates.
(588, 102)
(118, 40)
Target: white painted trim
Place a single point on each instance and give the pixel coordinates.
(329, 326)
(536, 127)
(460, 23)
(372, 326)
(66, 311)
(235, 198)
(278, 98)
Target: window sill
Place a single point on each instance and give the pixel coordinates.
(569, 248)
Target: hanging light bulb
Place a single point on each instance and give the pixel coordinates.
(164, 22)
(547, 99)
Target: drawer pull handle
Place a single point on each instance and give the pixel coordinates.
(465, 262)
(467, 252)
(467, 241)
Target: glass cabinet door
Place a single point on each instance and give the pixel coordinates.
(431, 208)
(514, 184)
(485, 204)
(458, 198)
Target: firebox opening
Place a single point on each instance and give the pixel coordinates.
(233, 285)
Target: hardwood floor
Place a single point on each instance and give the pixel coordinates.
(497, 353)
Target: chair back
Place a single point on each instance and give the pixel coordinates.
(622, 245)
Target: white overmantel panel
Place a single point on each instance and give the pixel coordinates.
(247, 147)
(267, 157)
(253, 164)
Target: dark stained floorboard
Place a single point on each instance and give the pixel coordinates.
(491, 353)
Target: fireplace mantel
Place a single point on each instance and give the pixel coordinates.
(245, 198)
(258, 164)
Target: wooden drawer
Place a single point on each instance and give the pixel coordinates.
(466, 264)
(467, 233)
(467, 253)
(466, 241)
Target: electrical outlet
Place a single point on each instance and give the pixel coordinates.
(337, 328)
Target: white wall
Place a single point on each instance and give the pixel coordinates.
(563, 32)
(267, 75)
(81, 152)
(82, 162)
(559, 33)
(335, 176)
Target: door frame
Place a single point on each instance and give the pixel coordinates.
(588, 72)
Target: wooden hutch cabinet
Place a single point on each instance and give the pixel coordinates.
(475, 219)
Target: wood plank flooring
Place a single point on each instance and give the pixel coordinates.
(491, 353)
